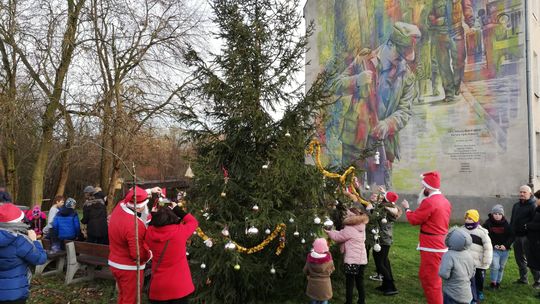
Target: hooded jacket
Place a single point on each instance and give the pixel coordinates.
(66, 224)
(481, 248)
(499, 232)
(318, 269)
(17, 252)
(352, 238)
(172, 278)
(457, 266)
(95, 217)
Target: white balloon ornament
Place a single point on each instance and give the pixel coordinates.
(225, 232)
(377, 247)
(296, 233)
(267, 231)
(255, 207)
(317, 220)
(230, 246)
(203, 266)
(252, 230)
(272, 270)
(303, 241)
(384, 220)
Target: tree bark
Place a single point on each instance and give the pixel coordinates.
(66, 153)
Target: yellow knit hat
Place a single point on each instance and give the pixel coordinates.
(473, 215)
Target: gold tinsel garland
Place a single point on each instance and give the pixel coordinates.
(280, 229)
(315, 148)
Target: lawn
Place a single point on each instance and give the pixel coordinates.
(403, 255)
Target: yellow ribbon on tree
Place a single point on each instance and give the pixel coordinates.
(315, 149)
(280, 229)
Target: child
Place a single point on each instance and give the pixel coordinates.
(352, 238)
(501, 237)
(66, 225)
(457, 268)
(18, 250)
(57, 203)
(319, 266)
(481, 250)
(37, 220)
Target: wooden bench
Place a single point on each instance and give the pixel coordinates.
(87, 256)
(58, 257)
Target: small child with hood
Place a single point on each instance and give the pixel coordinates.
(457, 268)
(66, 225)
(481, 250)
(500, 233)
(352, 238)
(319, 266)
(37, 220)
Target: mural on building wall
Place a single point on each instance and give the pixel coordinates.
(432, 80)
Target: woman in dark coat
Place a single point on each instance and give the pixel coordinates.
(533, 237)
(95, 218)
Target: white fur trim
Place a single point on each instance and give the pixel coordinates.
(139, 205)
(129, 211)
(431, 249)
(317, 255)
(18, 219)
(428, 186)
(125, 267)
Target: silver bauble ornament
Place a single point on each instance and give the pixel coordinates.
(384, 220)
(203, 266)
(272, 270)
(255, 207)
(377, 247)
(317, 220)
(296, 233)
(328, 223)
(267, 231)
(303, 241)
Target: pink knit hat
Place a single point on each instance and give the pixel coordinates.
(320, 245)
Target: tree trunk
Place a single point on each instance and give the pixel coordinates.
(65, 159)
(106, 157)
(11, 172)
(38, 176)
(110, 195)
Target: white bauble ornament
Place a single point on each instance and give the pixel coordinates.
(265, 166)
(291, 220)
(252, 230)
(303, 241)
(255, 207)
(296, 233)
(287, 134)
(384, 220)
(187, 253)
(377, 247)
(230, 246)
(272, 270)
(209, 243)
(236, 267)
(328, 223)
(223, 194)
(317, 220)
(225, 232)
(267, 231)
(373, 231)
(367, 187)
(203, 266)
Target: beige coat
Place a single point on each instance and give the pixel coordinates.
(319, 285)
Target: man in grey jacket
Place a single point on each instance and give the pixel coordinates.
(457, 268)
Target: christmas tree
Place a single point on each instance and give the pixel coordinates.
(259, 206)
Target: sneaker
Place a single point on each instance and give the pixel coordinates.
(536, 285)
(376, 277)
(481, 296)
(391, 292)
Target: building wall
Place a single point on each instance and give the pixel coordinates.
(534, 88)
(477, 137)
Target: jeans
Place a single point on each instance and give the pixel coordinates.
(448, 300)
(318, 302)
(500, 257)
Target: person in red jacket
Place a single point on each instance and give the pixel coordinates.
(433, 216)
(167, 234)
(122, 244)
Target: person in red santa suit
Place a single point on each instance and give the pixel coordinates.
(433, 216)
(122, 244)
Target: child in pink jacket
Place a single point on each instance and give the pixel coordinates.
(352, 238)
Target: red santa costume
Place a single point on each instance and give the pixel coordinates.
(122, 245)
(433, 216)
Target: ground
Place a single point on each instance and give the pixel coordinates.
(403, 256)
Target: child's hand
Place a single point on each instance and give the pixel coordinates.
(32, 235)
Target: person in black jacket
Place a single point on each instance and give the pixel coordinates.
(95, 218)
(502, 238)
(533, 237)
(523, 213)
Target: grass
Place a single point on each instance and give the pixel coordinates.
(403, 256)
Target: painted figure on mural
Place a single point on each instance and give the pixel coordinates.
(448, 40)
(376, 92)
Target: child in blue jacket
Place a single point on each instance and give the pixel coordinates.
(18, 250)
(66, 225)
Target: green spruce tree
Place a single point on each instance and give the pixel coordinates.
(249, 169)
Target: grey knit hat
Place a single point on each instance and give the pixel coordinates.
(497, 209)
(89, 190)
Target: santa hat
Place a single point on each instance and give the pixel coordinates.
(431, 180)
(9, 213)
(391, 197)
(141, 198)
